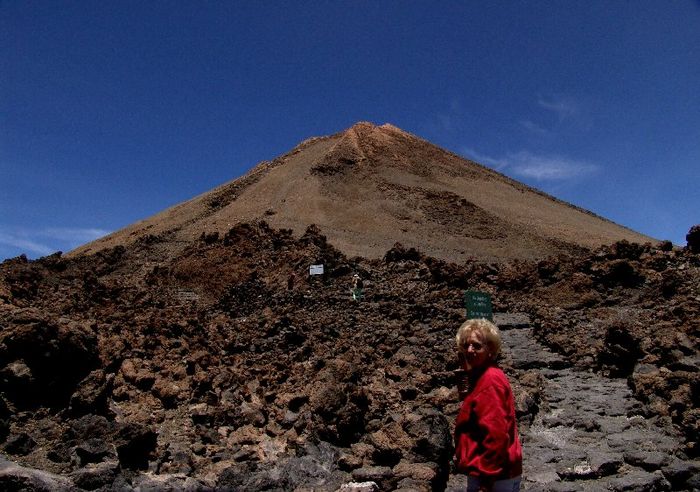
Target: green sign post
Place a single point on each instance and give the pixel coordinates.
(478, 305)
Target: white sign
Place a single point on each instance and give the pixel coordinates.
(316, 270)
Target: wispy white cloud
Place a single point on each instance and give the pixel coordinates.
(448, 119)
(563, 106)
(536, 167)
(497, 164)
(42, 242)
(548, 167)
(25, 244)
(533, 127)
(445, 122)
(74, 235)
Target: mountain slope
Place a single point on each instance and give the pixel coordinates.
(371, 186)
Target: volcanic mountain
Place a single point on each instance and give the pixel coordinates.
(369, 187)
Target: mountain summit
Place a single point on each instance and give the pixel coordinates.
(371, 186)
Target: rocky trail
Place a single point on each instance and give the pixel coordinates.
(591, 433)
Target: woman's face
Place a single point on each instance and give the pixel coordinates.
(476, 354)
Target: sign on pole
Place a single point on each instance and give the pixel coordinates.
(316, 269)
(478, 305)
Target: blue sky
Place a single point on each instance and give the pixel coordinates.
(113, 111)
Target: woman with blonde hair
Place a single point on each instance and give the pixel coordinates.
(487, 446)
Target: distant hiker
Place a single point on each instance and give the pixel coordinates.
(357, 286)
(290, 281)
(487, 447)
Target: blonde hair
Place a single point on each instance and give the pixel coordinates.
(489, 331)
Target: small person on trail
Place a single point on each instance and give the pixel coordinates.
(357, 286)
(487, 446)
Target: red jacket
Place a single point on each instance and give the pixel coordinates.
(486, 431)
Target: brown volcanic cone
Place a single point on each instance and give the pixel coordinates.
(372, 186)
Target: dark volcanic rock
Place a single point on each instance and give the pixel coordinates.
(20, 444)
(641, 481)
(91, 394)
(314, 468)
(92, 451)
(620, 350)
(15, 477)
(96, 475)
(44, 359)
(135, 444)
(693, 239)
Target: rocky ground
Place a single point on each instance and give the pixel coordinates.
(130, 369)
